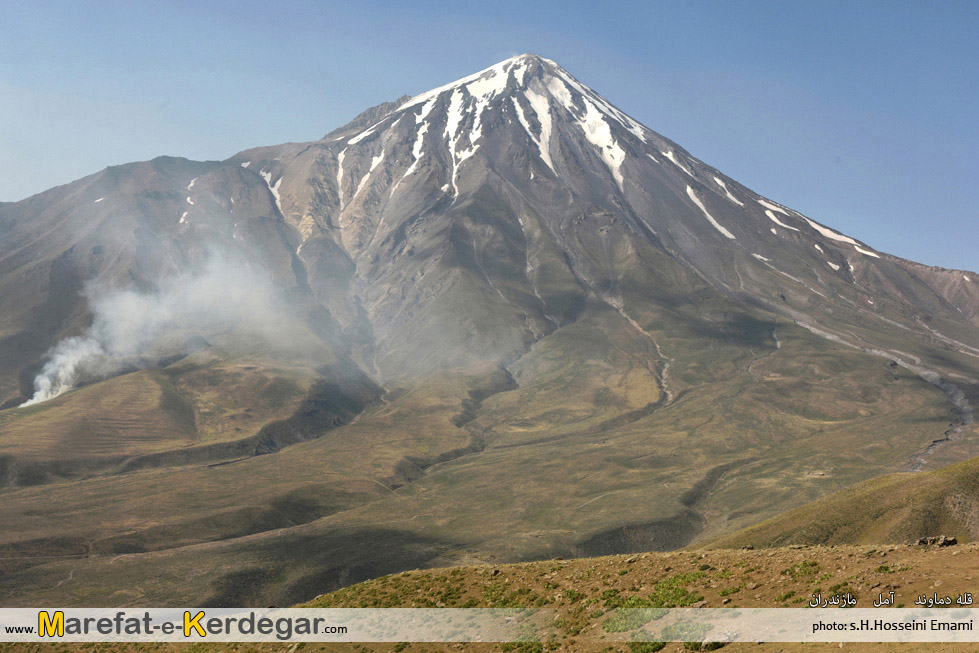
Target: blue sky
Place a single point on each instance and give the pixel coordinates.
(862, 115)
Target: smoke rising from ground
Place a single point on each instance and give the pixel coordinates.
(129, 325)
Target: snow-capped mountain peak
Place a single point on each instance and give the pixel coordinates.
(532, 102)
(525, 156)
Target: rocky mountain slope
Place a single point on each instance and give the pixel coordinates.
(500, 320)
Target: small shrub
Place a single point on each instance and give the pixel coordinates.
(573, 596)
(646, 647)
(805, 570)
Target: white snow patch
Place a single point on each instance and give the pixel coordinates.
(453, 118)
(102, 198)
(610, 111)
(275, 193)
(426, 109)
(340, 157)
(361, 185)
(246, 164)
(710, 218)
(190, 201)
(774, 232)
(761, 258)
(191, 184)
(183, 218)
(865, 252)
(491, 83)
(829, 233)
(521, 117)
(560, 93)
(542, 108)
(519, 71)
(375, 161)
(773, 207)
(816, 245)
(416, 149)
(593, 124)
(774, 218)
(672, 157)
(655, 160)
(267, 176)
(599, 134)
(398, 121)
(966, 278)
(833, 265)
(481, 91)
(364, 134)
(492, 80)
(720, 182)
(481, 88)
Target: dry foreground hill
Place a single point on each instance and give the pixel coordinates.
(500, 321)
(584, 594)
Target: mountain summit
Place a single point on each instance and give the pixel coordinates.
(498, 320)
(534, 182)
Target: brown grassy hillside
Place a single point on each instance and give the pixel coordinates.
(583, 592)
(892, 508)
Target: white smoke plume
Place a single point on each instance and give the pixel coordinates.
(224, 296)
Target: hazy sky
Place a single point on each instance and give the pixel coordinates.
(862, 115)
